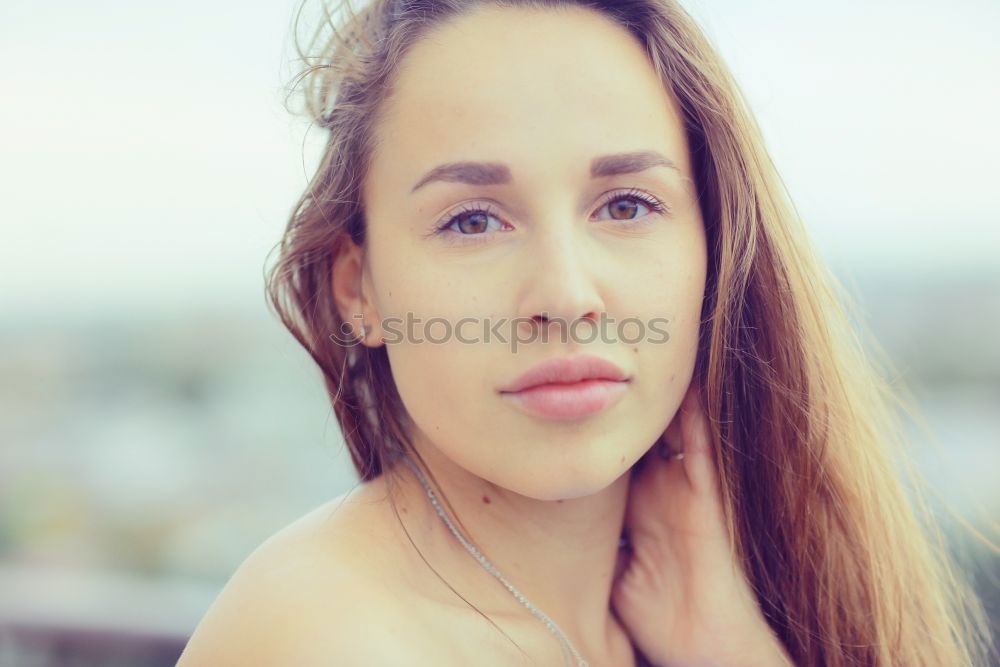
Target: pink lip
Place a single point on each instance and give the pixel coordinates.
(568, 388)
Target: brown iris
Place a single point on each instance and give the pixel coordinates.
(622, 206)
(473, 224)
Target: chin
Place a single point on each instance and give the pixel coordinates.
(570, 480)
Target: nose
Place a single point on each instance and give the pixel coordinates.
(560, 287)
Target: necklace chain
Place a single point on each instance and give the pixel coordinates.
(491, 568)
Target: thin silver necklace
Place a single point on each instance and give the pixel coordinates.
(491, 568)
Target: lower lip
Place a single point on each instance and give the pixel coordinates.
(569, 401)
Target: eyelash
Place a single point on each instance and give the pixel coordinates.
(641, 196)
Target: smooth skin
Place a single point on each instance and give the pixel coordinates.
(544, 92)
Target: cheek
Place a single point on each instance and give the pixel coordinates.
(443, 383)
(446, 390)
(412, 282)
(432, 381)
(665, 358)
(670, 285)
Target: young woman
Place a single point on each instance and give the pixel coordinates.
(603, 399)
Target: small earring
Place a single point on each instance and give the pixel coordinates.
(663, 449)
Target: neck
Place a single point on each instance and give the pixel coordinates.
(560, 554)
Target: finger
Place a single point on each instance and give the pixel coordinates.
(665, 459)
(657, 479)
(673, 446)
(659, 461)
(696, 436)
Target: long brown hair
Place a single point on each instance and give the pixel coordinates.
(848, 568)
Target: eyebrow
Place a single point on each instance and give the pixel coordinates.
(498, 173)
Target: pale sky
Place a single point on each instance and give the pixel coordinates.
(146, 158)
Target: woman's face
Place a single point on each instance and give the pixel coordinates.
(539, 96)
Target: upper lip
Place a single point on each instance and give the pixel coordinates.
(566, 370)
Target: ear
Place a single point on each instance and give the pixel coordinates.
(352, 290)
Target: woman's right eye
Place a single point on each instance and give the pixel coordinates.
(471, 223)
(474, 222)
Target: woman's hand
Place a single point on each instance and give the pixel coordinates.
(681, 595)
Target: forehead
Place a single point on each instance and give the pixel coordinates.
(531, 87)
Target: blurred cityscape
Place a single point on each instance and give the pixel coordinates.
(145, 456)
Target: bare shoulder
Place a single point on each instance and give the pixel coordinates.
(329, 588)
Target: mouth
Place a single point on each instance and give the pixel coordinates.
(568, 400)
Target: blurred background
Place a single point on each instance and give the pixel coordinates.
(157, 422)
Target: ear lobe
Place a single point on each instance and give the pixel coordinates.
(346, 282)
(673, 435)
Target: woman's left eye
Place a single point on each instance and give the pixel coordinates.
(621, 206)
